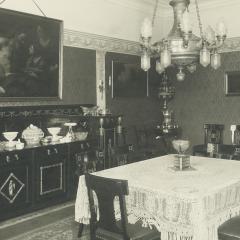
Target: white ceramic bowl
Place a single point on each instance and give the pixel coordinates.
(81, 135)
(54, 131)
(181, 145)
(10, 135)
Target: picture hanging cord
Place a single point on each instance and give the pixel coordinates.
(35, 3)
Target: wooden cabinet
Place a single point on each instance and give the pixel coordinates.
(50, 173)
(109, 133)
(15, 183)
(40, 176)
(84, 157)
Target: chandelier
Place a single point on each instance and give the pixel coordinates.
(181, 48)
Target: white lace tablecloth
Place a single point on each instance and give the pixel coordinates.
(183, 205)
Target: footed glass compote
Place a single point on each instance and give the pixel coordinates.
(182, 160)
(54, 131)
(70, 134)
(10, 136)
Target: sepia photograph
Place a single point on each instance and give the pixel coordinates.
(119, 120)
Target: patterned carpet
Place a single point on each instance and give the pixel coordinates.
(65, 229)
(53, 223)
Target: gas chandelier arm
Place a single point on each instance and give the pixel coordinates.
(153, 48)
(209, 39)
(215, 45)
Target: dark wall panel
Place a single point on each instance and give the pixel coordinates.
(201, 98)
(79, 75)
(136, 110)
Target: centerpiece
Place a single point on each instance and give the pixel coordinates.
(181, 160)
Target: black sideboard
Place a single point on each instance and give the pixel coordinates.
(43, 175)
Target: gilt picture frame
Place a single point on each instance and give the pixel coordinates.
(232, 83)
(31, 49)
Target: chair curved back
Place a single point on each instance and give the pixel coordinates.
(106, 190)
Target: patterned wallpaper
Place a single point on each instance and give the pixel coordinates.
(200, 99)
(136, 111)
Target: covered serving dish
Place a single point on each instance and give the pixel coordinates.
(32, 134)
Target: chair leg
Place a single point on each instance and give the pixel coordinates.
(80, 229)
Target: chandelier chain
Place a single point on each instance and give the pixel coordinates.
(199, 19)
(155, 12)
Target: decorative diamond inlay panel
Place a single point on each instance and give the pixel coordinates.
(11, 188)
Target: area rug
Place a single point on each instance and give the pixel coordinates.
(53, 223)
(64, 229)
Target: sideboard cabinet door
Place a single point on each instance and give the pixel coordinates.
(15, 183)
(50, 163)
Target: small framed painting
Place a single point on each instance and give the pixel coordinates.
(232, 83)
(128, 80)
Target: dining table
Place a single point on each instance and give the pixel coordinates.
(183, 205)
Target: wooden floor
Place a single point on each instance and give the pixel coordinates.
(31, 226)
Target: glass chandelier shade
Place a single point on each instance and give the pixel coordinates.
(180, 75)
(181, 48)
(204, 56)
(221, 29)
(165, 58)
(159, 67)
(146, 29)
(215, 60)
(145, 61)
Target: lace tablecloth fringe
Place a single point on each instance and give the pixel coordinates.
(140, 211)
(216, 221)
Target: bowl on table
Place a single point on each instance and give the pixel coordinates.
(181, 160)
(180, 145)
(81, 135)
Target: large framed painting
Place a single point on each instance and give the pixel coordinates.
(128, 79)
(30, 56)
(232, 83)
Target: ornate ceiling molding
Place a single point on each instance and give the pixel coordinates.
(231, 45)
(108, 44)
(98, 42)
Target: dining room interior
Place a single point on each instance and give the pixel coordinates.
(128, 98)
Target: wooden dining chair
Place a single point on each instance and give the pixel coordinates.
(230, 230)
(147, 144)
(107, 227)
(120, 155)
